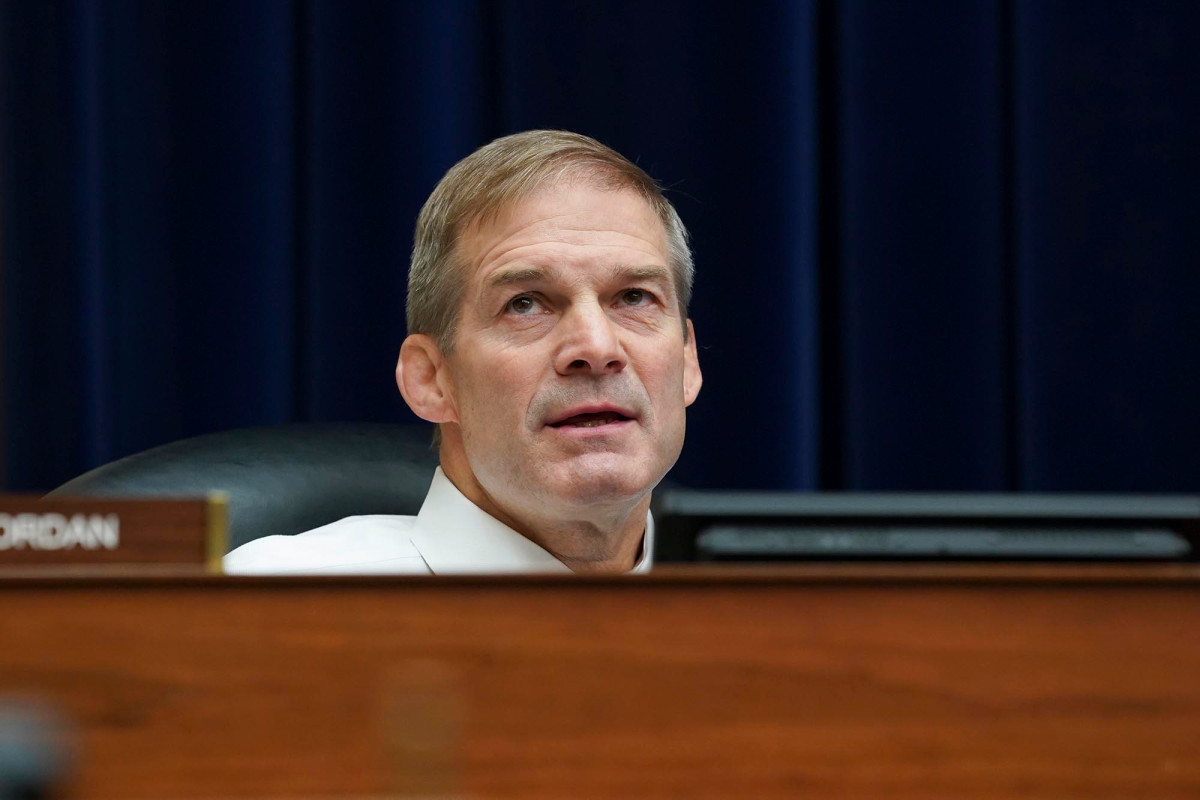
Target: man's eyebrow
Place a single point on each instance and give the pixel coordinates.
(641, 274)
(521, 275)
(514, 276)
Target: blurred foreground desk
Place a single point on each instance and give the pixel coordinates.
(830, 681)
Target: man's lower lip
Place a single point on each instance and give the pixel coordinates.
(608, 427)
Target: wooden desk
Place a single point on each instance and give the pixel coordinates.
(846, 682)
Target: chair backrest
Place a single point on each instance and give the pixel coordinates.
(281, 479)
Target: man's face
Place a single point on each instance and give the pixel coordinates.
(570, 371)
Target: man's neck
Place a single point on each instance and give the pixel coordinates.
(607, 540)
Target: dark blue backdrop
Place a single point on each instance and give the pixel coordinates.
(940, 245)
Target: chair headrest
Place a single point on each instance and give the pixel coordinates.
(280, 479)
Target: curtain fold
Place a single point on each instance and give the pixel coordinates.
(923, 314)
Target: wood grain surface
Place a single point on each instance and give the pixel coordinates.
(821, 682)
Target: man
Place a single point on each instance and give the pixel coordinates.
(549, 341)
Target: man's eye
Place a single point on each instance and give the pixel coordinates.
(635, 297)
(522, 304)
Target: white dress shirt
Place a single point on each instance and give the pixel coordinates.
(449, 536)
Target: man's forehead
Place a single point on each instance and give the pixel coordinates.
(567, 215)
(570, 183)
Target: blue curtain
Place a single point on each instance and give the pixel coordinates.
(940, 245)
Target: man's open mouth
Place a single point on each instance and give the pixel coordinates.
(590, 420)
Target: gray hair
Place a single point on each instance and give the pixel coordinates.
(498, 174)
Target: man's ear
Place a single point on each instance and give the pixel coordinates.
(691, 368)
(420, 374)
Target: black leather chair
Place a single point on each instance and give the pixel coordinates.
(281, 479)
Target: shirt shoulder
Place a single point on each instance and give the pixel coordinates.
(375, 544)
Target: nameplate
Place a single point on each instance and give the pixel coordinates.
(107, 532)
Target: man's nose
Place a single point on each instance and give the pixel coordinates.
(590, 343)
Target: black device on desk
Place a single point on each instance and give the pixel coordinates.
(803, 526)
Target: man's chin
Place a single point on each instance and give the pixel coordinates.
(588, 483)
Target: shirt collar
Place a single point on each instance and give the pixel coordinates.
(455, 536)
